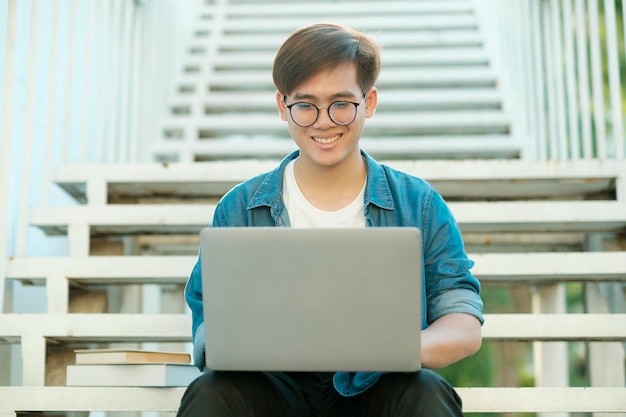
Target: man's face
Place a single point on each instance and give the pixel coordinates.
(326, 143)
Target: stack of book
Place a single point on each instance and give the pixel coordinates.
(130, 368)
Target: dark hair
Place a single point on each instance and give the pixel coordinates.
(321, 46)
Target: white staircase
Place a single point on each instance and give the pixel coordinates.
(439, 96)
(546, 205)
(133, 234)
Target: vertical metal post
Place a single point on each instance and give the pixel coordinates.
(552, 113)
(86, 113)
(583, 79)
(112, 138)
(551, 358)
(605, 360)
(67, 125)
(538, 70)
(25, 182)
(570, 79)
(615, 93)
(125, 80)
(99, 80)
(596, 79)
(559, 93)
(530, 130)
(5, 150)
(52, 82)
(136, 85)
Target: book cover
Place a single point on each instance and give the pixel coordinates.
(131, 375)
(125, 355)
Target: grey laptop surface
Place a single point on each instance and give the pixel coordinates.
(283, 299)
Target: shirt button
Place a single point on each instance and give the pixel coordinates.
(345, 391)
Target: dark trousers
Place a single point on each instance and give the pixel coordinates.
(254, 394)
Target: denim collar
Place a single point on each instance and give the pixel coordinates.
(270, 192)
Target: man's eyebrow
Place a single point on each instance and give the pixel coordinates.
(341, 95)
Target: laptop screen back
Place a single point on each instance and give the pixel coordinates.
(283, 299)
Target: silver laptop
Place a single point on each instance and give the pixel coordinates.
(283, 299)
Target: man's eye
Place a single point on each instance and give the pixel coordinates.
(340, 105)
(304, 106)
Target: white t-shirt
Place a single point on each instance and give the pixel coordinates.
(303, 214)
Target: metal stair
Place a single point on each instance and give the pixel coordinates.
(439, 96)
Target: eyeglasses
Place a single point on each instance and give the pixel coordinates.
(341, 112)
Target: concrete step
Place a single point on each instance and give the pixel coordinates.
(345, 8)
(421, 100)
(472, 217)
(455, 180)
(385, 123)
(396, 21)
(390, 78)
(491, 268)
(452, 38)
(442, 146)
(176, 327)
(399, 57)
(475, 400)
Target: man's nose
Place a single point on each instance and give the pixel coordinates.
(323, 118)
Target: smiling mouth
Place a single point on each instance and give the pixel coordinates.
(326, 141)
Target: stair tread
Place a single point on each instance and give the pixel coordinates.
(444, 145)
(395, 21)
(483, 217)
(282, 9)
(453, 179)
(175, 327)
(401, 57)
(475, 399)
(393, 99)
(389, 78)
(397, 38)
(401, 122)
(526, 268)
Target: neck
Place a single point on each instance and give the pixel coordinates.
(331, 188)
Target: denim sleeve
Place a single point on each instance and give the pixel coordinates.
(193, 296)
(450, 286)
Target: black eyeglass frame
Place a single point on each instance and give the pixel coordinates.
(356, 105)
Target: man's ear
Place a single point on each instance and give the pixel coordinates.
(280, 102)
(371, 102)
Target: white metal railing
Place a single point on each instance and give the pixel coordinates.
(81, 81)
(562, 63)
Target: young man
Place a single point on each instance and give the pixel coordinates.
(325, 76)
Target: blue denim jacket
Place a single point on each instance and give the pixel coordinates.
(392, 198)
